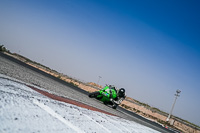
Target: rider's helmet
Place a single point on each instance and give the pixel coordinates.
(121, 92)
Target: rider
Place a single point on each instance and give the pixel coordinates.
(114, 96)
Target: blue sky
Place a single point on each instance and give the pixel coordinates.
(151, 48)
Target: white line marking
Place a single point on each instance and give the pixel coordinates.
(59, 117)
(112, 121)
(108, 131)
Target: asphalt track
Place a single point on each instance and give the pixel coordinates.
(14, 68)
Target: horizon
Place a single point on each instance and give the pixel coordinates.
(149, 48)
(74, 78)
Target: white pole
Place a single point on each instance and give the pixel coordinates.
(98, 80)
(176, 96)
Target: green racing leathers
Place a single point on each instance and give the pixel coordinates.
(108, 95)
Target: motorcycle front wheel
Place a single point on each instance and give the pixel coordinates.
(114, 106)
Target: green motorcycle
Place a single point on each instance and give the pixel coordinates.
(106, 95)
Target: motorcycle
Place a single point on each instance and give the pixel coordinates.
(103, 95)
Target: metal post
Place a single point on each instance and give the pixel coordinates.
(98, 80)
(176, 96)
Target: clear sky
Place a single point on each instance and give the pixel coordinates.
(149, 47)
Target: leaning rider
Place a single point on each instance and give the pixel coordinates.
(115, 96)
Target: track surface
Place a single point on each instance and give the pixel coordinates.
(19, 70)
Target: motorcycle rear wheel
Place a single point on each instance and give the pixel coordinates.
(93, 94)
